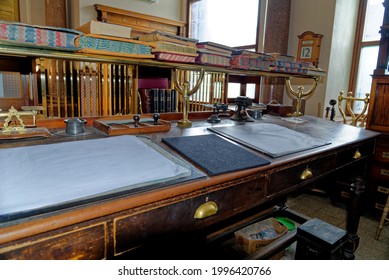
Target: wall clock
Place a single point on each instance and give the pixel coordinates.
(309, 47)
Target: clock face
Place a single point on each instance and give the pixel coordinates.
(306, 52)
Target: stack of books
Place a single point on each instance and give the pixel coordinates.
(249, 60)
(158, 100)
(172, 48)
(213, 54)
(288, 64)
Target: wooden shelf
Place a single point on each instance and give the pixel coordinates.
(17, 51)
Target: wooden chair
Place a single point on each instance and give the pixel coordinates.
(356, 119)
(384, 219)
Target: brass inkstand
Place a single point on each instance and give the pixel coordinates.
(14, 127)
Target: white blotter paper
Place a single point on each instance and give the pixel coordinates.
(271, 139)
(46, 175)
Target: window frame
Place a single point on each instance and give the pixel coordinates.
(359, 45)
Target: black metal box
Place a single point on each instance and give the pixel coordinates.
(319, 240)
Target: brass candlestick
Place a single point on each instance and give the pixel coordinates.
(299, 94)
(186, 93)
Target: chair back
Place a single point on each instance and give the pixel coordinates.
(358, 119)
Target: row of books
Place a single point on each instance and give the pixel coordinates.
(173, 48)
(64, 39)
(157, 100)
(110, 39)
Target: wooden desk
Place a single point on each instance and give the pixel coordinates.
(122, 226)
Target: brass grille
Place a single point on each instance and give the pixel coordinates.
(79, 89)
(211, 89)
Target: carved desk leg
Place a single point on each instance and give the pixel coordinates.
(353, 216)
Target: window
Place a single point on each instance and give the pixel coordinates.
(228, 23)
(367, 41)
(225, 22)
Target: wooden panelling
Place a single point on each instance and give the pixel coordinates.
(83, 243)
(378, 114)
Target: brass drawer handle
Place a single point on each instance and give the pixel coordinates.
(306, 174)
(383, 189)
(357, 154)
(384, 172)
(385, 154)
(205, 210)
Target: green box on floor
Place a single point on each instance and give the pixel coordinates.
(319, 240)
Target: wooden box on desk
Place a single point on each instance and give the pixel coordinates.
(279, 109)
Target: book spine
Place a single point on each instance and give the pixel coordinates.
(289, 64)
(215, 49)
(162, 100)
(146, 100)
(161, 47)
(114, 46)
(291, 69)
(155, 37)
(168, 100)
(175, 57)
(173, 100)
(154, 100)
(247, 63)
(210, 59)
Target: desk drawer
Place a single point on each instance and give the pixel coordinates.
(380, 171)
(179, 218)
(289, 178)
(349, 155)
(84, 243)
(382, 150)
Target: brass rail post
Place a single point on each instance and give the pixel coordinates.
(186, 93)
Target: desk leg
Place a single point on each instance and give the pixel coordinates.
(353, 216)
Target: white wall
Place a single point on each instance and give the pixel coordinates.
(335, 20)
(341, 49)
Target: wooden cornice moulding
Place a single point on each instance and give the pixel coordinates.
(139, 23)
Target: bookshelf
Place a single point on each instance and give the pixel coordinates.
(68, 84)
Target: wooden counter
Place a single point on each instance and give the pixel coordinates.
(122, 226)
